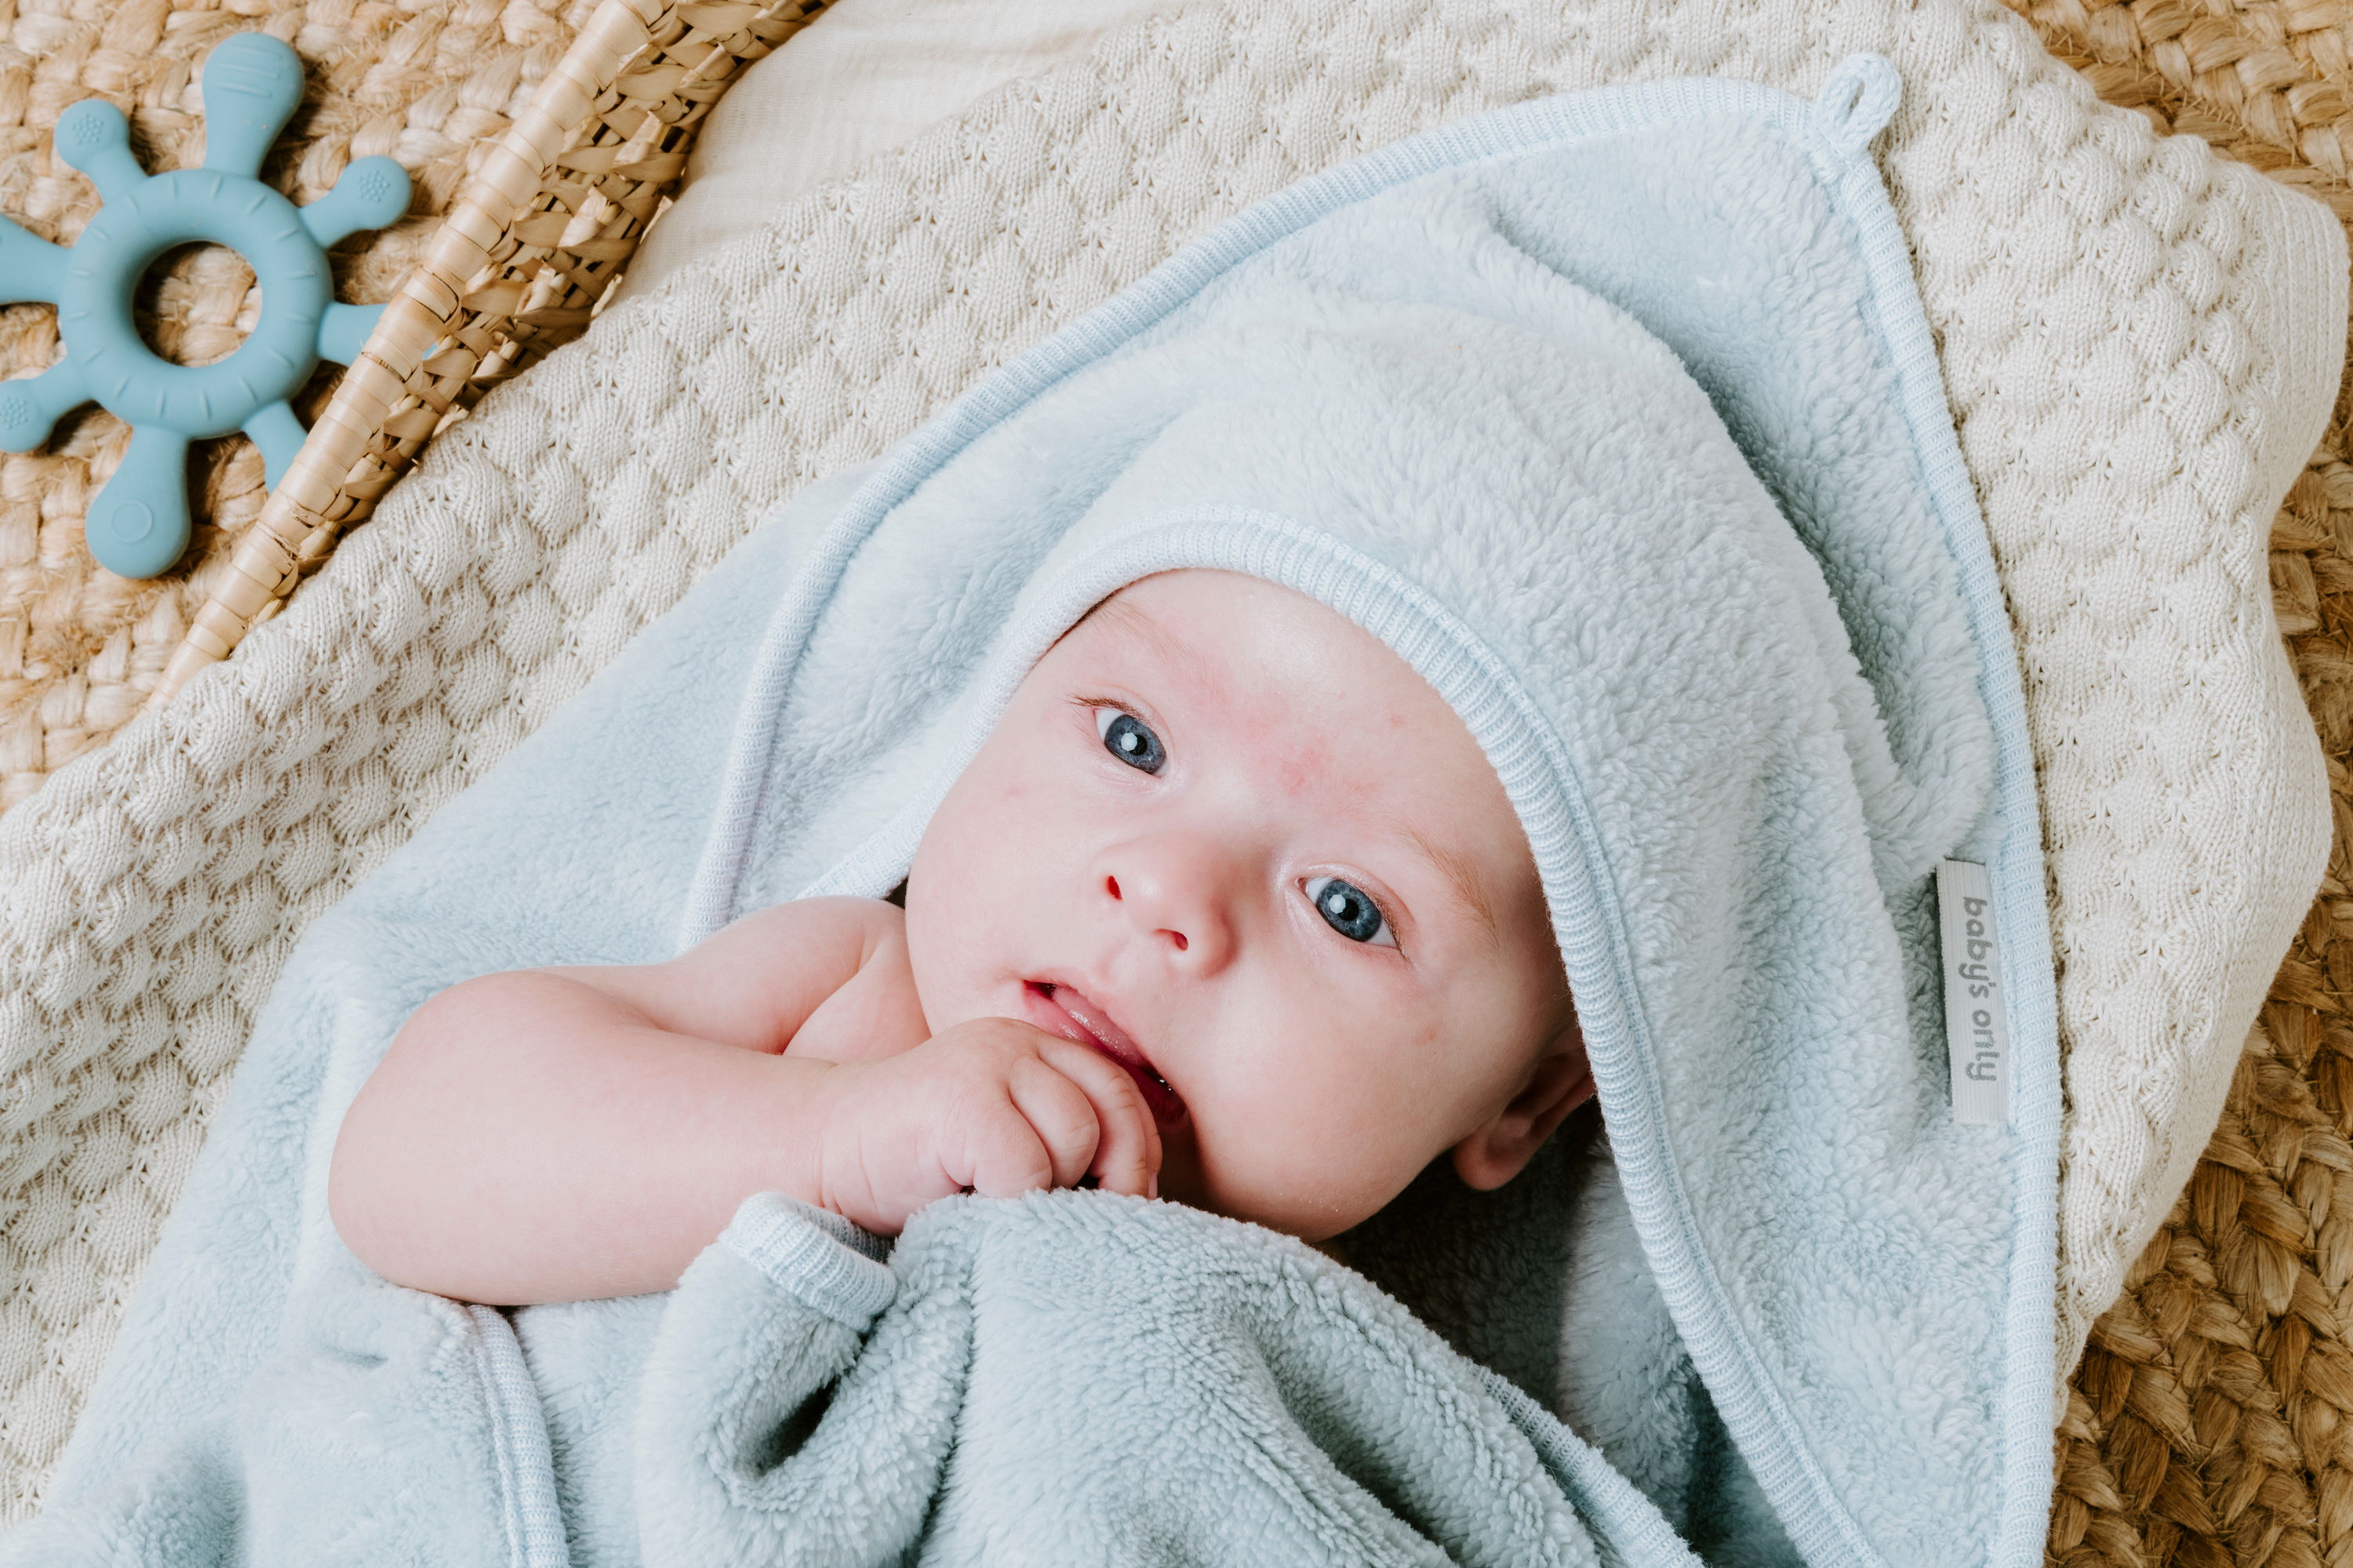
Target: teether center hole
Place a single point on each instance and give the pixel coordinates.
(195, 304)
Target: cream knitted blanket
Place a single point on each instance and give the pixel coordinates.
(2140, 344)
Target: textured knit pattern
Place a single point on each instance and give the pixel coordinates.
(2150, 299)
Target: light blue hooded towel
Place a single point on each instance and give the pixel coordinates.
(1617, 417)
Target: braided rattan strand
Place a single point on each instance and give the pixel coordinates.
(2210, 1424)
(540, 233)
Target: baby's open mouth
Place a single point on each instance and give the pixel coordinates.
(1081, 1020)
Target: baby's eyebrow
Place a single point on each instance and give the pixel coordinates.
(1461, 874)
(1140, 622)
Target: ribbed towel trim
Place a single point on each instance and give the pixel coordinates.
(832, 1264)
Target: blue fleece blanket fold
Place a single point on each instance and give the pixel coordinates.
(1268, 1406)
(1616, 415)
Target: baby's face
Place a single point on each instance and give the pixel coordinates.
(1231, 840)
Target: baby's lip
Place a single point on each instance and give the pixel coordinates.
(1070, 1012)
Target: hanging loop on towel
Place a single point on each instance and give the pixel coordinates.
(1858, 100)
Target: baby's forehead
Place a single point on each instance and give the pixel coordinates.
(1200, 615)
(1268, 658)
(1126, 616)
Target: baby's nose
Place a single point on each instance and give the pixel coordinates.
(1175, 905)
(1177, 939)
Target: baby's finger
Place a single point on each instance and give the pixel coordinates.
(1127, 1149)
(1003, 1155)
(1060, 1114)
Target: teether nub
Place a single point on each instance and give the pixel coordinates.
(138, 524)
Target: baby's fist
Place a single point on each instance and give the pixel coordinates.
(993, 1106)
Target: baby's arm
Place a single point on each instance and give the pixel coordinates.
(551, 1135)
(556, 1134)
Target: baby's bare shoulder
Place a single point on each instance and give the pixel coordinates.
(825, 922)
(805, 942)
(827, 942)
(874, 1011)
(758, 980)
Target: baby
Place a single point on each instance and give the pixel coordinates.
(1229, 910)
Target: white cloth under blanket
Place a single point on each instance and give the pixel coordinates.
(865, 76)
(2140, 344)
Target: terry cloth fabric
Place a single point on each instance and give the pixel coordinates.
(1016, 1405)
(1489, 393)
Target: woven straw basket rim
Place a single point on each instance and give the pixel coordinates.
(518, 267)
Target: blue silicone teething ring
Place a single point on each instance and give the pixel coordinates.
(138, 524)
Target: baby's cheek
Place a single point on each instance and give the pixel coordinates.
(1311, 1161)
(959, 970)
(943, 925)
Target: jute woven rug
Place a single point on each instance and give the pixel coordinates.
(2213, 1419)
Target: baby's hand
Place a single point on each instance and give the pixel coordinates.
(993, 1106)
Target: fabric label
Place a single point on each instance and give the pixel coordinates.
(1977, 1022)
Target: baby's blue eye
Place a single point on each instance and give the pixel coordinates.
(1350, 911)
(1124, 737)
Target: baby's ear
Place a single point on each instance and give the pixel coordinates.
(1561, 1082)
